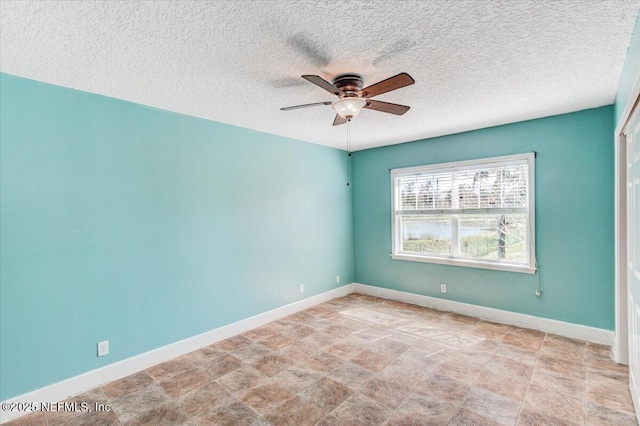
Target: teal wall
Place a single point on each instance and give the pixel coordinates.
(574, 219)
(630, 72)
(145, 227)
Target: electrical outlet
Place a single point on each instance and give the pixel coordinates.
(443, 288)
(301, 288)
(337, 279)
(103, 348)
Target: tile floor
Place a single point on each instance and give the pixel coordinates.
(360, 360)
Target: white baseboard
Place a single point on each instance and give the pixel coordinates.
(576, 331)
(91, 379)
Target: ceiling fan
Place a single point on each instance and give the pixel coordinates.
(352, 96)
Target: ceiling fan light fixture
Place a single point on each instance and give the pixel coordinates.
(349, 88)
(349, 107)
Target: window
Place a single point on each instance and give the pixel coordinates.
(472, 213)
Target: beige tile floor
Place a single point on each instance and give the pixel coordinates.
(360, 360)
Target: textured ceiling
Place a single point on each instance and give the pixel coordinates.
(476, 63)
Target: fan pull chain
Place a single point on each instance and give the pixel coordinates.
(348, 149)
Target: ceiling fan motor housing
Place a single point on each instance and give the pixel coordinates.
(349, 84)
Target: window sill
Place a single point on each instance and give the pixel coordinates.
(466, 263)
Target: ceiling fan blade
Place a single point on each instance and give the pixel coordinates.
(339, 120)
(321, 82)
(392, 83)
(386, 107)
(306, 105)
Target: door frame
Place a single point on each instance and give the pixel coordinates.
(620, 347)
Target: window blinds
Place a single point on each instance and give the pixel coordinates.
(491, 188)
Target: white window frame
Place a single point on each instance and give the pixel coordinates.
(455, 259)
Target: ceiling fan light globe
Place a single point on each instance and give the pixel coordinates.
(349, 107)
